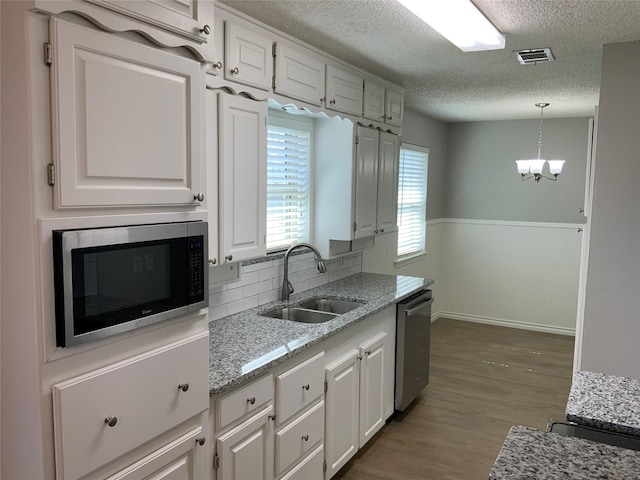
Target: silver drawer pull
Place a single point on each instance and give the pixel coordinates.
(200, 440)
(306, 387)
(235, 70)
(183, 386)
(206, 30)
(305, 438)
(111, 421)
(251, 400)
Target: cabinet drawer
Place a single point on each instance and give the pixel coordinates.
(104, 414)
(298, 438)
(298, 387)
(308, 469)
(243, 401)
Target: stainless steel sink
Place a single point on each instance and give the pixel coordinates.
(301, 315)
(330, 305)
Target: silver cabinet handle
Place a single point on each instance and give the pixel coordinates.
(375, 232)
(579, 229)
(332, 102)
(218, 65)
(305, 438)
(111, 421)
(201, 440)
(199, 197)
(306, 387)
(213, 261)
(206, 30)
(367, 352)
(228, 258)
(183, 386)
(382, 230)
(389, 117)
(235, 71)
(323, 99)
(272, 417)
(251, 400)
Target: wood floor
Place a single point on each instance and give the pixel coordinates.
(483, 380)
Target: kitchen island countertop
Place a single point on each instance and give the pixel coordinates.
(605, 401)
(529, 454)
(245, 345)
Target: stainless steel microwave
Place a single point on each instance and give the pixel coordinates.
(115, 279)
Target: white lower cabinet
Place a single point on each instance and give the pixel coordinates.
(181, 459)
(342, 412)
(246, 451)
(307, 418)
(360, 389)
(101, 417)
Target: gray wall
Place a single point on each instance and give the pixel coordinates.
(482, 180)
(611, 327)
(423, 131)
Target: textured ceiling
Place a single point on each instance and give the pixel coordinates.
(442, 82)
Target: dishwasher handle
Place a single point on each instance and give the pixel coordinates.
(419, 307)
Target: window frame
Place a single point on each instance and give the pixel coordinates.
(418, 253)
(303, 123)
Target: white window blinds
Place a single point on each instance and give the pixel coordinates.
(288, 180)
(412, 200)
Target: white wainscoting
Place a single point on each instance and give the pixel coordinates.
(517, 274)
(513, 274)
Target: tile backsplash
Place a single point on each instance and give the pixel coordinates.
(261, 283)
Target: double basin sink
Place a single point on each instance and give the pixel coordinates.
(314, 310)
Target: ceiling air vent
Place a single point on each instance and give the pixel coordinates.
(535, 55)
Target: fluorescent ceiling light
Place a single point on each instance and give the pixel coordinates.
(459, 21)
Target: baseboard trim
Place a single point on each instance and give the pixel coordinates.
(536, 327)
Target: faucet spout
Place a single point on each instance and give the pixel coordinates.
(287, 288)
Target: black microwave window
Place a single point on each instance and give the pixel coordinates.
(114, 284)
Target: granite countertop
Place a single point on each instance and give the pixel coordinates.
(245, 345)
(605, 401)
(529, 454)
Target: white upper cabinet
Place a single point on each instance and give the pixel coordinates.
(242, 130)
(383, 104)
(373, 107)
(344, 91)
(366, 187)
(248, 55)
(387, 207)
(394, 107)
(127, 121)
(299, 75)
(171, 23)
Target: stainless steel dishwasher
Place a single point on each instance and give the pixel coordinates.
(413, 336)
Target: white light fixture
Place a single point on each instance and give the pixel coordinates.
(459, 21)
(533, 168)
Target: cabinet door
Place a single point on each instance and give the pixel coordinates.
(127, 121)
(246, 452)
(394, 107)
(373, 107)
(170, 23)
(387, 210)
(372, 387)
(344, 91)
(242, 129)
(185, 458)
(366, 182)
(342, 406)
(248, 57)
(211, 168)
(298, 75)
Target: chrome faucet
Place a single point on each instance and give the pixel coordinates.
(287, 288)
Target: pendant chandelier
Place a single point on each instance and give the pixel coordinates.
(533, 168)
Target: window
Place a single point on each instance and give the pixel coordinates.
(289, 146)
(412, 200)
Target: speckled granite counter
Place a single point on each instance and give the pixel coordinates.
(529, 454)
(606, 402)
(245, 345)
